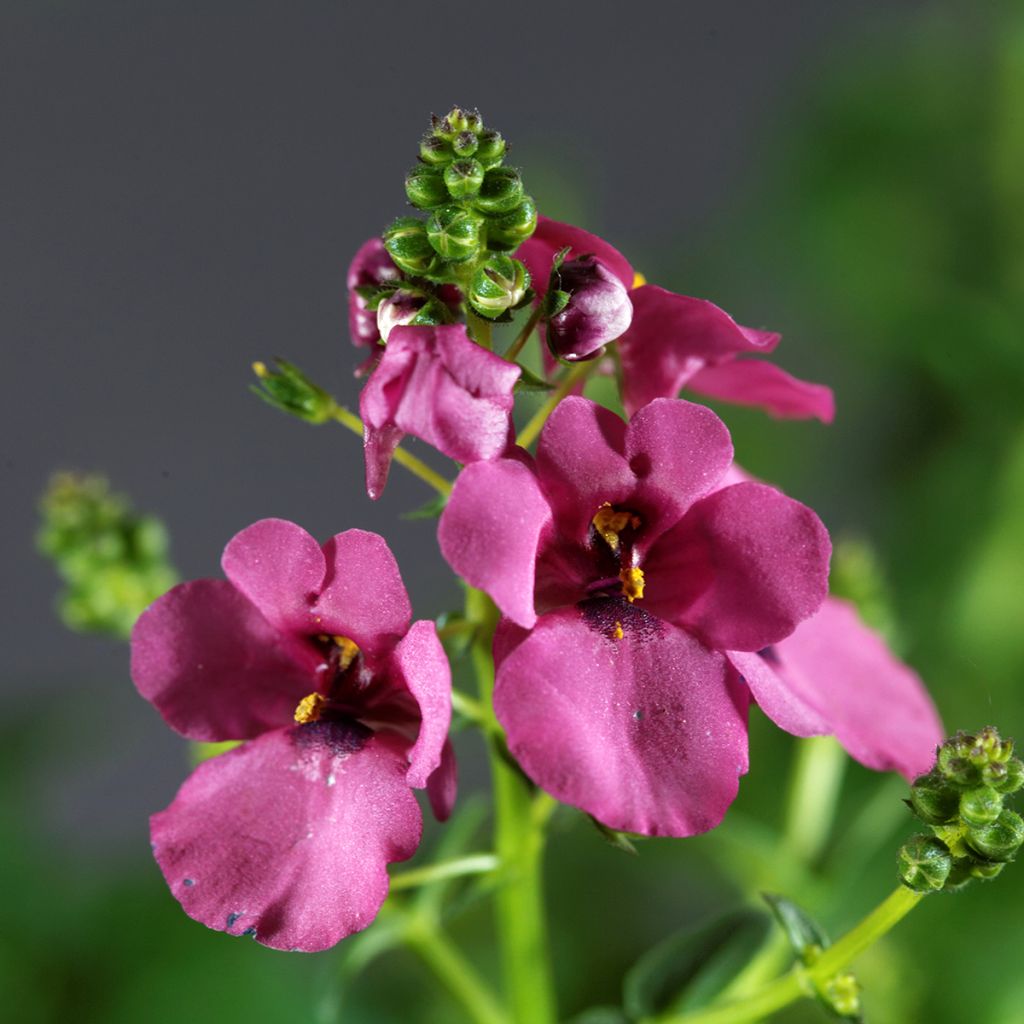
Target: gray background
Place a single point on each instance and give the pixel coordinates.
(181, 188)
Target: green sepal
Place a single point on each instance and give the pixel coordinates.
(288, 389)
(530, 381)
(805, 935)
(689, 969)
(623, 841)
(373, 295)
(513, 228)
(431, 509)
(554, 302)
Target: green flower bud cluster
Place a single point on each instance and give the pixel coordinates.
(114, 561)
(478, 215)
(961, 798)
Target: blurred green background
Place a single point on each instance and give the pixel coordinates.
(884, 228)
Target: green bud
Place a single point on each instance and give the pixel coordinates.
(463, 178)
(980, 806)
(425, 187)
(457, 121)
(490, 148)
(1000, 839)
(465, 144)
(454, 233)
(959, 876)
(499, 284)
(435, 151)
(291, 391)
(956, 767)
(985, 870)
(924, 863)
(933, 800)
(509, 230)
(409, 246)
(842, 995)
(1005, 777)
(501, 191)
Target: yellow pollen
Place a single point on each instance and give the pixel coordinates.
(617, 633)
(632, 583)
(310, 708)
(610, 522)
(638, 279)
(260, 369)
(349, 650)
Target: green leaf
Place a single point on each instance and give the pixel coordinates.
(600, 1015)
(803, 932)
(530, 381)
(430, 510)
(691, 967)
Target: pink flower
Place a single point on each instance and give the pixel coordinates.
(598, 311)
(371, 267)
(438, 385)
(627, 575)
(676, 341)
(306, 653)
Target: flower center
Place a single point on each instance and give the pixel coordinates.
(611, 523)
(342, 653)
(618, 528)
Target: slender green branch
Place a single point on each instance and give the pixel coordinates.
(443, 957)
(472, 864)
(577, 373)
(804, 981)
(470, 708)
(818, 768)
(479, 328)
(415, 466)
(524, 335)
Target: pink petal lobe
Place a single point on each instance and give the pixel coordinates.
(443, 784)
(214, 667)
(551, 236)
(423, 666)
(756, 382)
(490, 530)
(287, 838)
(581, 463)
(877, 707)
(672, 337)
(743, 568)
(279, 568)
(646, 733)
(371, 266)
(363, 596)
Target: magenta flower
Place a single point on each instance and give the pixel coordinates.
(598, 311)
(306, 653)
(371, 267)
(437, 384)
(676, 341)
(626, 579)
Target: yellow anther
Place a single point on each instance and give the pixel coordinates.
(638, 279)
(310, 708)
(349, 650)
(632, 583)
(260, 369)
(617, 633)
(610, 522)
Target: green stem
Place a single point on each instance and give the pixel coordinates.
(470, 708)
(579, 372)
(818, 767)
(442, 956)
(479, 328)
(524, 335)
(415, 466)
(804, 981)
(472, 864)
(519, 844)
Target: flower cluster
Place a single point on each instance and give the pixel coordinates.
(649, 591)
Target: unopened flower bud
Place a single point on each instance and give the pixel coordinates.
(409, 246)
(501, 191)
(463, 178)
(924, 863)
(933, 800)
(436, 152)
(499, 284)
(514, 227)
(287, 388)
(985, 870)
(454, 233)
(1000, 840)
(599, 309)
(956, 767)
(980, 806)
(425, 187)
(465, 143)
(405, 307)
(1005, 777)
(490, 149)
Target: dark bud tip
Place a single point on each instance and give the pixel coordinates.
(464, 178)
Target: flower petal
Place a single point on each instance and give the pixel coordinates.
(756, 382)
(371, 266)
(490, 530)
(279, 568)
(672, 337)
(423, 665)
(287, 838)
(443, 784)
(214, 667)
(841, 670)
(679, 452)
(581, 463)
(646, 733)
(551, 236)
(743, 568)
(363, 596)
